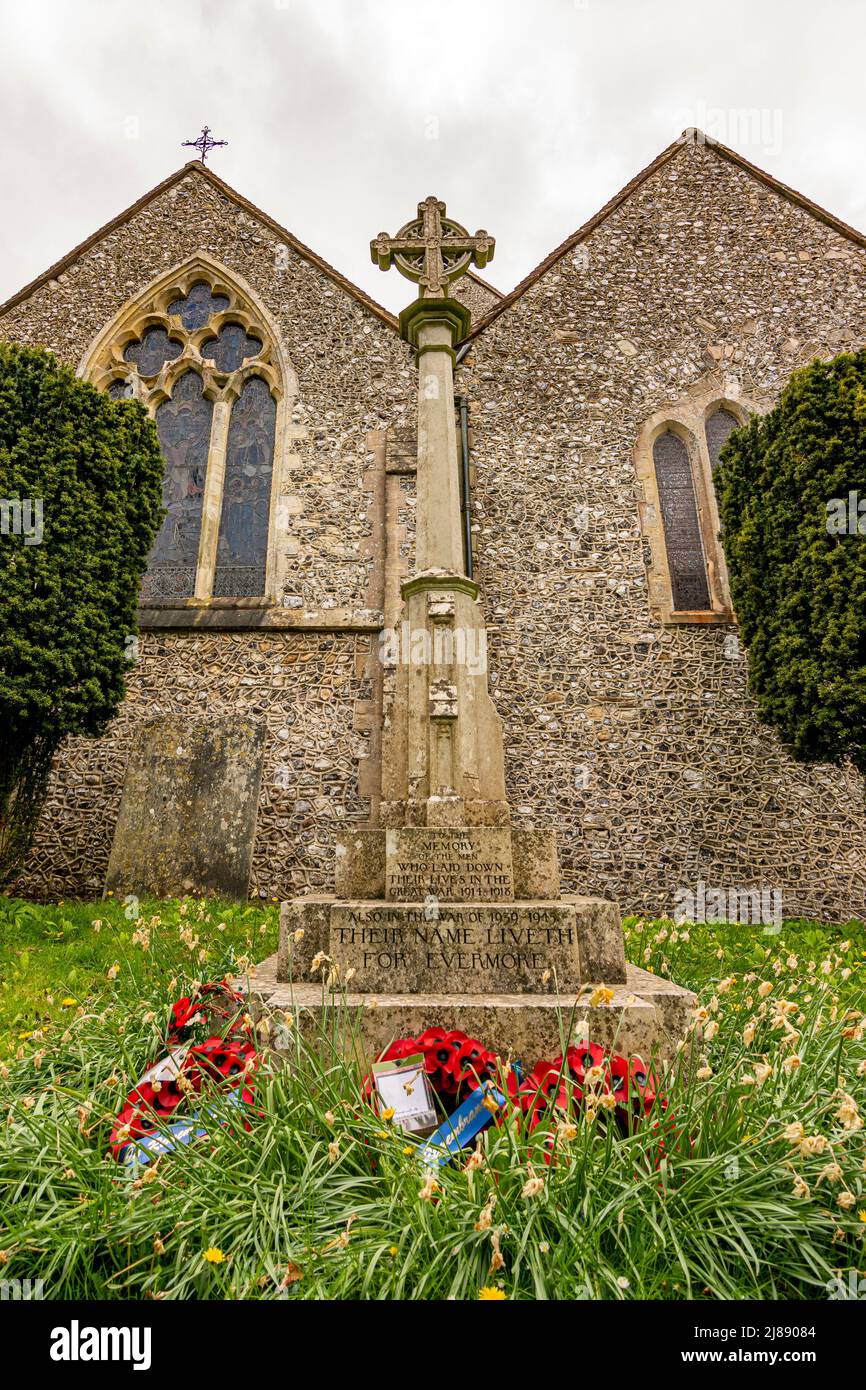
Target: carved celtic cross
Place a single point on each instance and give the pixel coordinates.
(432, 250)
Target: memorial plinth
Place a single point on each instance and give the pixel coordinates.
(443, 912)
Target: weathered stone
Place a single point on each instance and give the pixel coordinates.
(646, 1016)
(463, 948)
(461, 865)
(305, 925)
(188, 811)
(600, 941)
(536, 862)
(360, 863)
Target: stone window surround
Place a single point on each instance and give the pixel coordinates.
(687, 418)
(103, 362)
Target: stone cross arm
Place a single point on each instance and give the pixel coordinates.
(432, 250)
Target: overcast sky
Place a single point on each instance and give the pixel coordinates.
(524, 115)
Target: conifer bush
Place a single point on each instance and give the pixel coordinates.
(80, 504)
(791, 488)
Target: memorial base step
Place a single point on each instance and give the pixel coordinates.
(646, 1016)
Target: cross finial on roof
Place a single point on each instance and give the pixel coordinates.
(204, 143)
(432, 249)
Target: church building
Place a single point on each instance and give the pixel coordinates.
(591, 404)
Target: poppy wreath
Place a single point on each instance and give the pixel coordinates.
(198, 1056)
(457, 1065)
(590, 1071)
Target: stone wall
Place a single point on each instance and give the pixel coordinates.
(305, 687)
(638, 740)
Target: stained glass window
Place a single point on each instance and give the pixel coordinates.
(153, 350)
(224, 552)
(229, 350)
(183, 425)
(720, 424)
(243, 533)
(195, 310)
(121, 390)
(682, 529)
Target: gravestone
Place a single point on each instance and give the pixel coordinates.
(443, 912)
(188, 811)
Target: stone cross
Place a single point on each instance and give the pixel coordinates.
(432, 250)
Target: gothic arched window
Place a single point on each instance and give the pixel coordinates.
(205, 363)
(676, 455)
(682, 529)
(719, 425)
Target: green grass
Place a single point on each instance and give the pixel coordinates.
(320, 1187)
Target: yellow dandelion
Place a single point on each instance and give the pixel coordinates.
(214, 1255)
(490, 1294)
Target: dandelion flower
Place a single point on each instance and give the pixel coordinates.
(490, 1294)
(333, 1150)
(800, 1188)
(214, 1255)
(846, 1200)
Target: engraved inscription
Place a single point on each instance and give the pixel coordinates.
(465, 948)
(461, 867)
